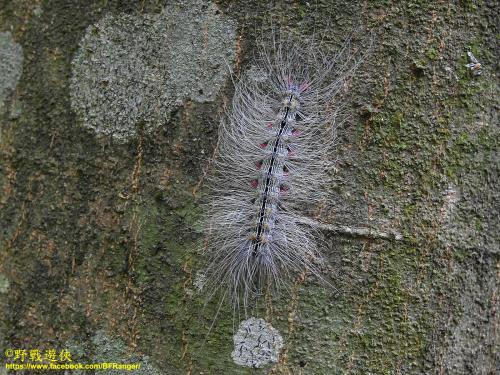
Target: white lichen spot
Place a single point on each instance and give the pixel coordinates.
(256, 343)
(451, 197)
(199, 281)
(11, 63)
(37, 11)
(132, 71)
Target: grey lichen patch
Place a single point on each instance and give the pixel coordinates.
(110, 350)
(132, 70)
(256, 74)
(11, 63)
(4, 284)
(256, 343)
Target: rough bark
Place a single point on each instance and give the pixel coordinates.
(98, 239)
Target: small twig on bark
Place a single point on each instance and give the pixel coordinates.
(353, 232)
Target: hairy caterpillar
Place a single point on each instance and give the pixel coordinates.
(273, 157)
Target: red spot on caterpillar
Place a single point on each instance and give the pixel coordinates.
(283, 189)
(270, 125)
(254, 183)
(264, 145)
(259, 164)
(296, 132)
(285, 169)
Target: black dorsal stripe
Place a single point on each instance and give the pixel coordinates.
(268, 177)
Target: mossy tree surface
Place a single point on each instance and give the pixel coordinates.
(98, 239)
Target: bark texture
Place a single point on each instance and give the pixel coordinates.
(98, 239)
